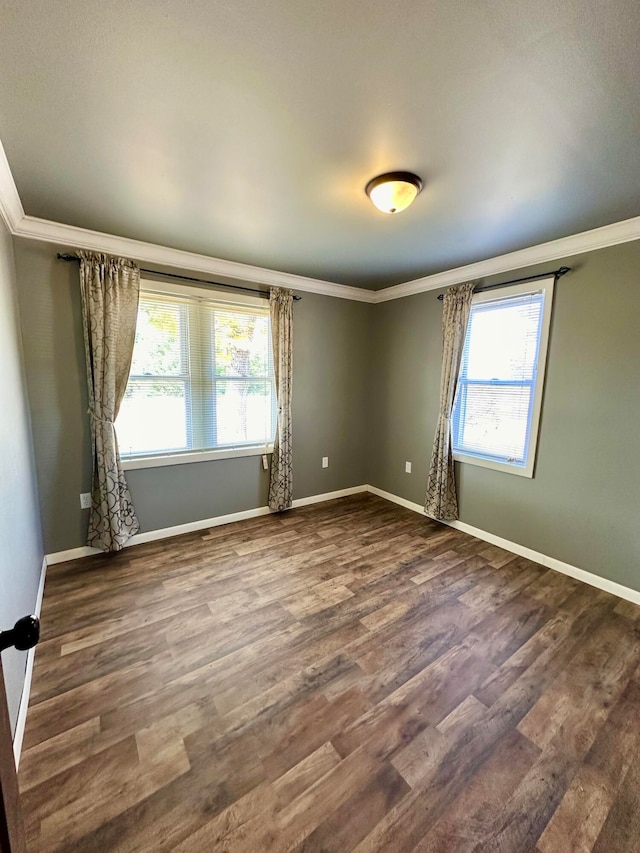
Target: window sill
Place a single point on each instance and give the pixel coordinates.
(130, 463)
(518, 470)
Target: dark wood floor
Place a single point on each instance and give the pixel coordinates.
(346, 677)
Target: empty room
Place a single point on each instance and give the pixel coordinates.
(320, 377)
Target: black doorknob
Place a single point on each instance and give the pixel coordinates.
(24, 634)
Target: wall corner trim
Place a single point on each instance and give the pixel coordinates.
(11, 210)
(594, 580)
(28, 675)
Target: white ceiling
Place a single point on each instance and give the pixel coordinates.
(247, 129)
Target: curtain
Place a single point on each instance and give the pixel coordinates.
(441, 501)
(110, 289)
(281, 479)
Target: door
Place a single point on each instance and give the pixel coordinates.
(23, 636)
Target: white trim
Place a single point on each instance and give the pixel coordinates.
(132, 463)
(11, 209)
(521, 550)
(162, 533)
(565, 247)
(582, 575)
(21, 722)
(34, 228)
(194, 298)
(598, 582)
(191, 526)
(547, 286)
(494, 464)
(70, 554)
(203, 293)
(203, 524)
(329, 496)
(396, 499)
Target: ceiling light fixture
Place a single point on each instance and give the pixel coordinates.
(394, 191)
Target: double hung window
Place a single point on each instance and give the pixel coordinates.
(498, 400)
(201, 378)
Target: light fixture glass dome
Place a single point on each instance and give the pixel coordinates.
(394, 191)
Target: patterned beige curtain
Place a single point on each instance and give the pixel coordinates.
(441, 501)
(110, 289)
(281, 479)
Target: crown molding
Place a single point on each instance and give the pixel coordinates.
(34, 228)
(576, 244)
(11, 209)
(47, 231)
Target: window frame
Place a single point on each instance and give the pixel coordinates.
(547, 286)
(155, 459)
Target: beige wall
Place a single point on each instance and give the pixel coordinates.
(330, 366)
(583, 504)
(21, 550)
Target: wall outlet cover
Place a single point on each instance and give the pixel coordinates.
(407, 467)
(85, 500)
(325, 461)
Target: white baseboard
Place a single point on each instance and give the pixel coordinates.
(396, 499)
(28, 674)
(521, 550)
(604, 584)
(163, 533)
(202, 524)
(70, 554)
(329, 496)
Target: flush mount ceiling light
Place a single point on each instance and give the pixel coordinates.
(393, 191)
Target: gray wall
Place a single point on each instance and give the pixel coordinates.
(330, 369)
(366, 382)
(583, 504)
(21, 550)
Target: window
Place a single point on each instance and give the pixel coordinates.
(201, 377)
(498, 399)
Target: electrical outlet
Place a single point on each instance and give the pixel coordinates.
(407, 467)
(265, 461)
(85, 500)
(325, 461)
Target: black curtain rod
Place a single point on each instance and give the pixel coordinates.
(264, 293)
(555, 273)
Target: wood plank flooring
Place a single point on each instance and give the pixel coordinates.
(348, 676)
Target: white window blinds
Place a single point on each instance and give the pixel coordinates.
(497, 400)
(201, 377)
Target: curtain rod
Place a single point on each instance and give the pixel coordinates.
(65, 256)
(555, 273)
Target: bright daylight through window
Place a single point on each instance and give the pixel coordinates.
(498, 400)
(201, 377)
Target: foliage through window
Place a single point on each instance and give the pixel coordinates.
(201, 377)
(498, 399)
